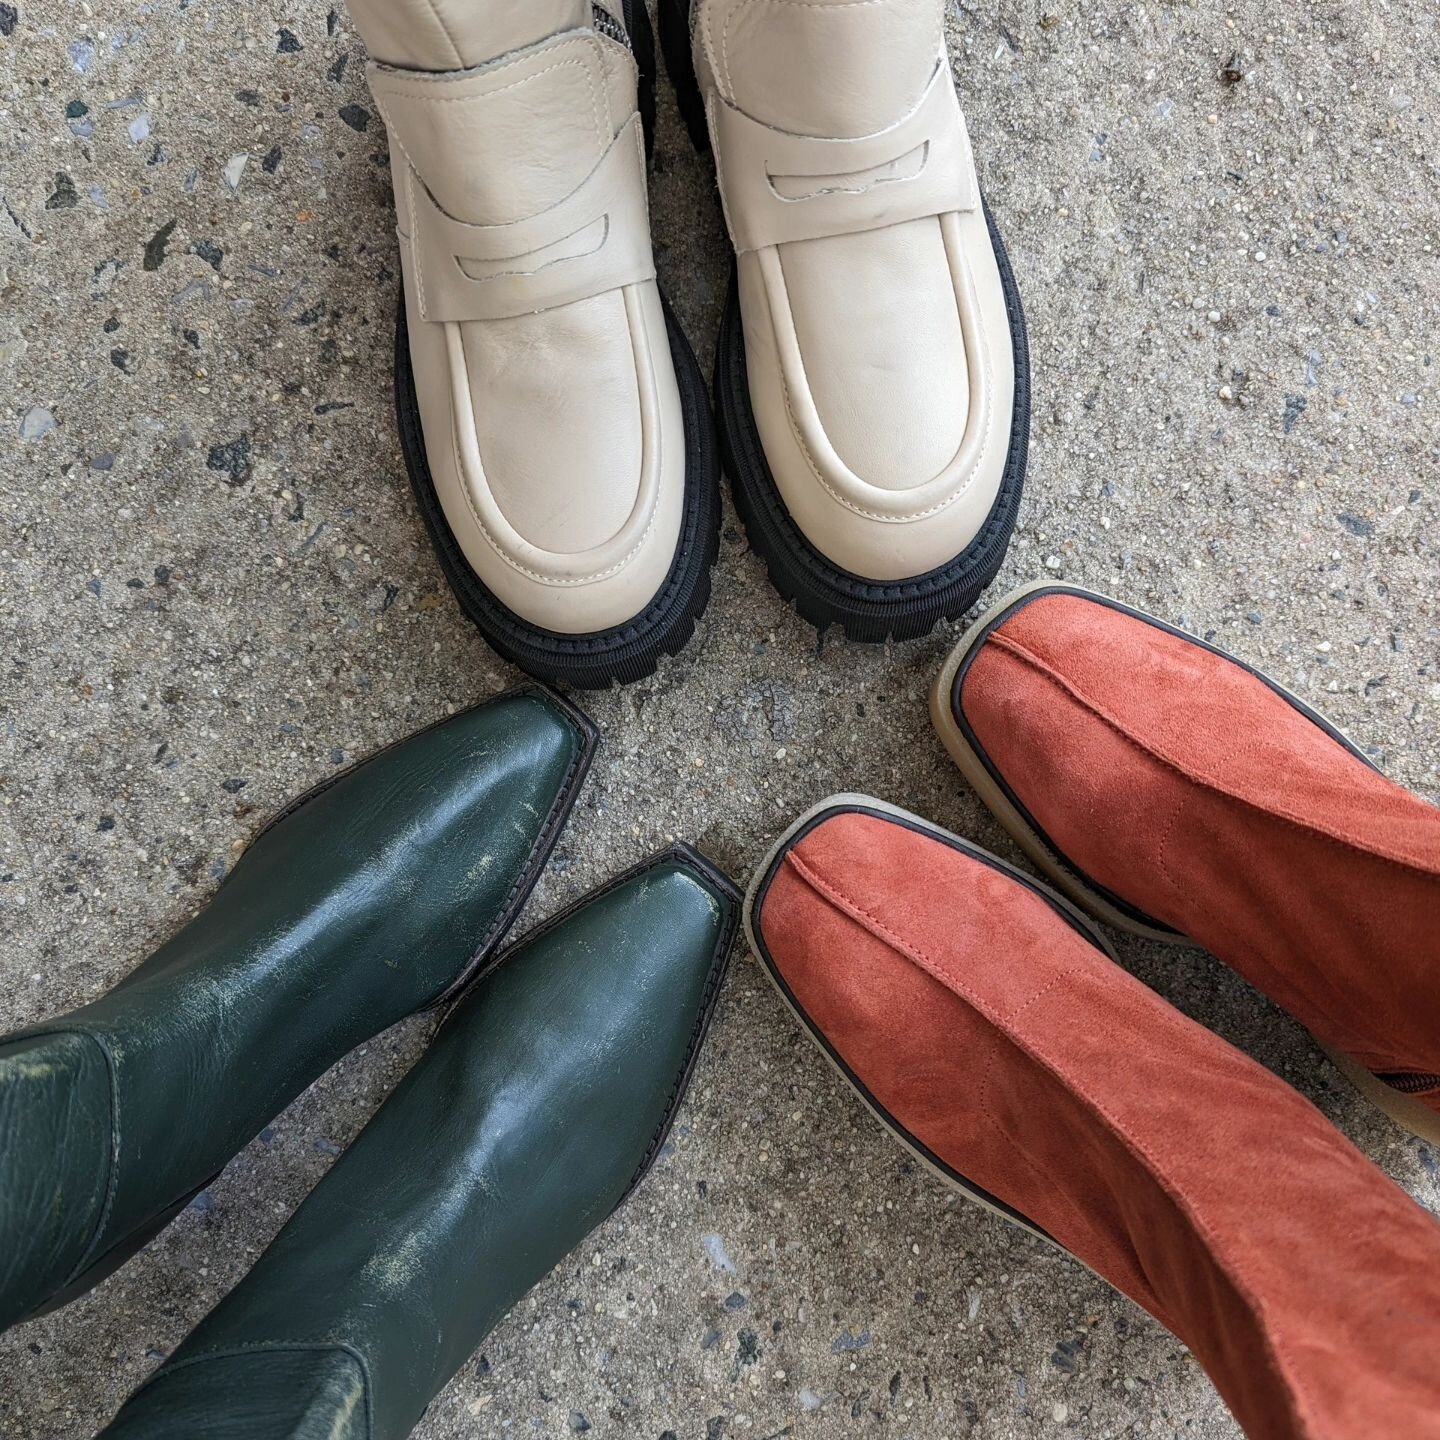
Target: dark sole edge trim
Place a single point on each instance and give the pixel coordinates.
(975, 643)
(543, 846)
(868, 611)
(762, 952)
(717, 880)
(1409, 1082)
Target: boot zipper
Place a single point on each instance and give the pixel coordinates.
(606, 24)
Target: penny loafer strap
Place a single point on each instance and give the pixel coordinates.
(780, 187)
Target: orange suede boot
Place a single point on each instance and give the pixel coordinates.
(1173, 791)
(982, 1019)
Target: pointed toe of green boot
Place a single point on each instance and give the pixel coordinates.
(379, 893)
(543, 1100)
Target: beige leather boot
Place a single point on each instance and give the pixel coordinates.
(553, 417)
(872, 379)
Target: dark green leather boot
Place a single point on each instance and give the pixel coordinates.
(541, 1103)
(377, 894)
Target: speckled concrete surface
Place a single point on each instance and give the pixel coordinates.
(215, 589)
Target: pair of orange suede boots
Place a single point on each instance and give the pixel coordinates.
(1164, 788)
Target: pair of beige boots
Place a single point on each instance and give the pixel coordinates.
(871, 381)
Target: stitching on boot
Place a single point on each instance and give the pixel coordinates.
(888, 937)
(1028, 657)
(1278, 1356)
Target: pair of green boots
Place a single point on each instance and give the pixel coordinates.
(542, 1100)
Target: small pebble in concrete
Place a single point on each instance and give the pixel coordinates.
(64, 196)
(1233, 71)
(1356, 524)
(715, 1249)
(1066, 1355)
(36, 423)
(154, 256)
(231, 459)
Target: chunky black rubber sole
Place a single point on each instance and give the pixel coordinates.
(626, 652)
(824, 594)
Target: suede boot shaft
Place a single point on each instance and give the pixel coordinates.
(1174, 790)
(980, 1017)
